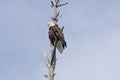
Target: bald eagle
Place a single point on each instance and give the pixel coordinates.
(56, 34)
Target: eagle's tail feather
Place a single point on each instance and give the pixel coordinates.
(59, 46)
(64, 44)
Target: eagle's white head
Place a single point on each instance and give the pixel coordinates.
(50, 24)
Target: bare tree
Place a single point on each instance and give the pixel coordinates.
(51, 64)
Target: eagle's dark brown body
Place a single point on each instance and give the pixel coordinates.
(55, 33)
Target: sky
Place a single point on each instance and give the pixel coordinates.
(92, 33)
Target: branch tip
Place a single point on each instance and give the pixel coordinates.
(62, 4)
(46, 76)
(58, 14)
(57, 1)
(52, 4)
(47, 61)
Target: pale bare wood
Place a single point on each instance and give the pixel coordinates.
(51, 64)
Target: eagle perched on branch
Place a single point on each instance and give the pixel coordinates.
(56, 34)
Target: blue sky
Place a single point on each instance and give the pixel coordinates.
(92, 32)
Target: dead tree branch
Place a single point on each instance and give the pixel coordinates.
(62, 4)
(51, 64)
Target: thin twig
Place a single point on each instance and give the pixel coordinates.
(62, 4)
